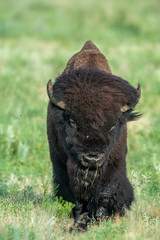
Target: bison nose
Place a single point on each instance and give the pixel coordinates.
(92, 157)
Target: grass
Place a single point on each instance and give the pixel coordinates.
(36, 40)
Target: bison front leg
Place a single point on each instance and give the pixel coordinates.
(109, 201)
(81, 218)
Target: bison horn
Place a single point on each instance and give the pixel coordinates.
(127, 107)
(139, 90)
(59, 104)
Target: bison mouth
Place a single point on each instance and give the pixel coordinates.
(93, 160)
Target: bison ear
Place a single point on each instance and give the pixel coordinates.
(127, 107)
(59, 104)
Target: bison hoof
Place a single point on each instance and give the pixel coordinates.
(101, 214)
(82, 222)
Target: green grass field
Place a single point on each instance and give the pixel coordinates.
(37, 38)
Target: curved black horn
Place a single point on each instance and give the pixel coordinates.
(59, 104)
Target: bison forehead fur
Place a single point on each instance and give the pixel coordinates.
(86, 126)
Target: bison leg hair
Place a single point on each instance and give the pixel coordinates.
(109, 201)
(78, 210)
(80, 214)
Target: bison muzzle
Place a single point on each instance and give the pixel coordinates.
(88, 110)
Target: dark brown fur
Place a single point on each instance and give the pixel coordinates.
(88, 136)
(88, 57)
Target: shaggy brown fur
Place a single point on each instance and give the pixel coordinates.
(86, 126)
(88, 57)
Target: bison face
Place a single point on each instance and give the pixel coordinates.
(89, 109)
(87, 145)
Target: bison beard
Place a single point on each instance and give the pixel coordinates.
(86, 126)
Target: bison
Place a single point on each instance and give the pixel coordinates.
(87, 117)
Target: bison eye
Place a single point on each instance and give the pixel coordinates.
(72, 123)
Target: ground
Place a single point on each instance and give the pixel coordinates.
(36, 40)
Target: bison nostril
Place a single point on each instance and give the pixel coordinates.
(92, 160)
(85, 159)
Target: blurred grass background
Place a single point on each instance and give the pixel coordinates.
(37, 38)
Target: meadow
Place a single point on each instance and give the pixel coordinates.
(37, 38)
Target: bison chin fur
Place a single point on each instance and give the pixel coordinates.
(87, 119)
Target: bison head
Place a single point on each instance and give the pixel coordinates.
(90, 107)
